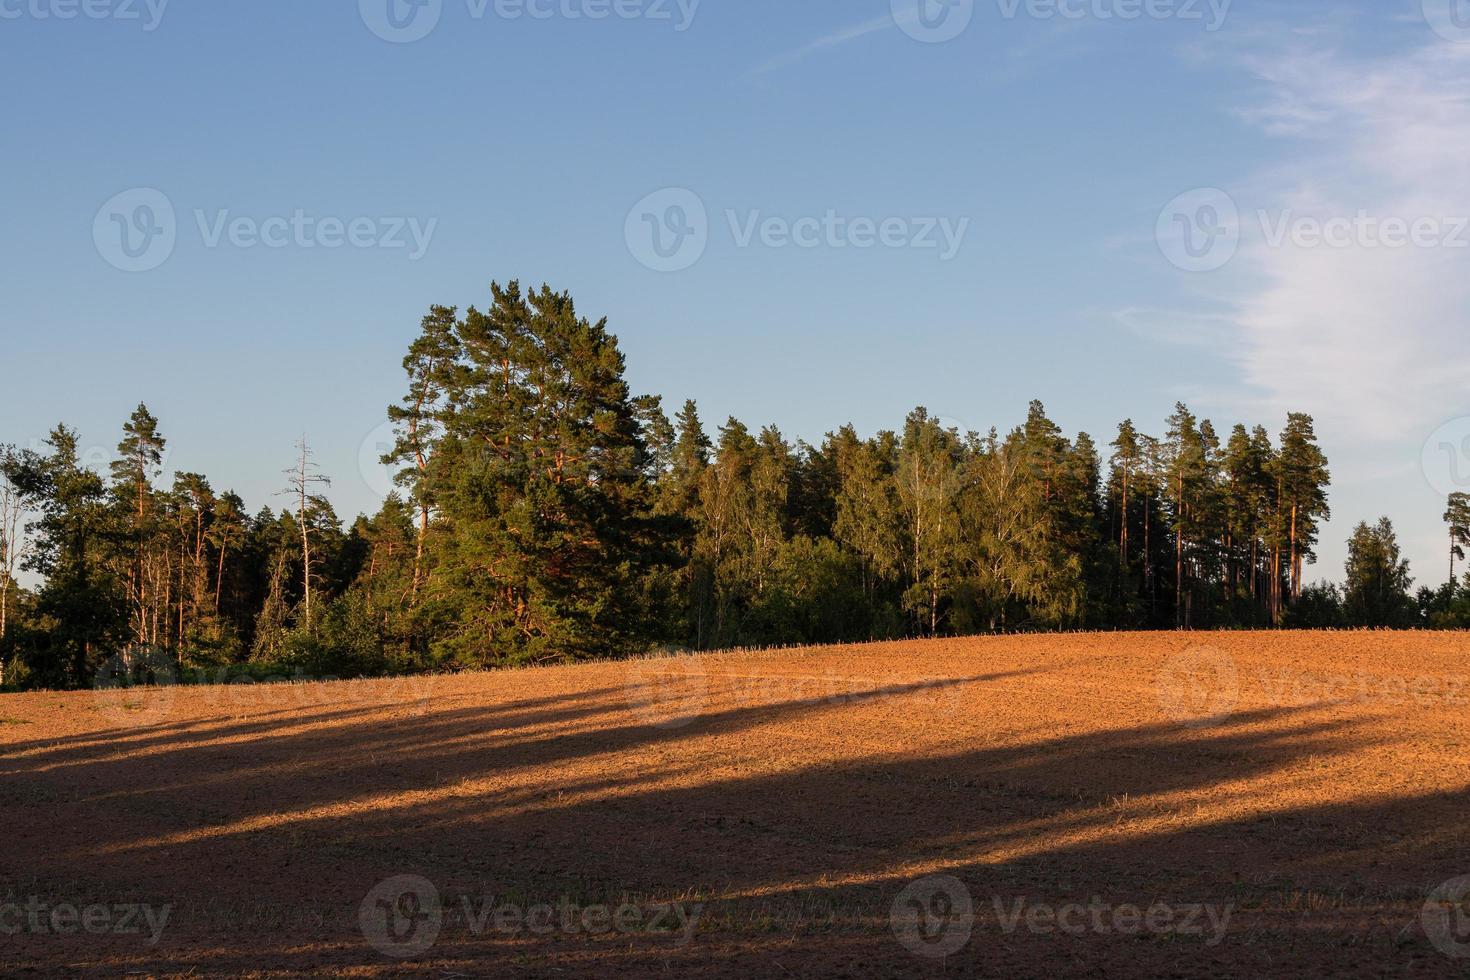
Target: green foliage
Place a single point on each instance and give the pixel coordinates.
(80, 610)
(546, 513)
(1376, 593)
(540, 481)
(1457, 517)
(1319, 607)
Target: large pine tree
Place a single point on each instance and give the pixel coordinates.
(542, 485)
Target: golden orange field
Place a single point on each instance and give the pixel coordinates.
(1163, 805)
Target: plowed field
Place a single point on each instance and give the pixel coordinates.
(1161, 805)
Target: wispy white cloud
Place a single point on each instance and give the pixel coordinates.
(1191, 327)
(826, 42)
(1371, 338)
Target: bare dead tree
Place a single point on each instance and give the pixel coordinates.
(301, 478)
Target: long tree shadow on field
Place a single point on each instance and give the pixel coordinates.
(281, 761)
(542, 799)
(247, 710)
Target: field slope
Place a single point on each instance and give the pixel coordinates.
(995, 807)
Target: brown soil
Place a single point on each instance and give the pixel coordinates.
(1315, 788)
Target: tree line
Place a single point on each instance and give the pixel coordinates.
(545, 513)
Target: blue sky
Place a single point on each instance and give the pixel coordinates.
(1054, 138)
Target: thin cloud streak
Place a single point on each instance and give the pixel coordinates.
(826, 42)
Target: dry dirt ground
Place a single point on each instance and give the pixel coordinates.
(1183, 805)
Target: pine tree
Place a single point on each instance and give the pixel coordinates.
(1079, 510)
(1186, 472)
(1303, 478)
(550, 515)
(435, 386)
(227, 534)
(1265, 501)
(1240, 510)
(679, 502)
(1151, 478)
(1125, 461)
(80, 595)
(194, 502)
(1457, 516)
(544, 487)
(140, 458)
